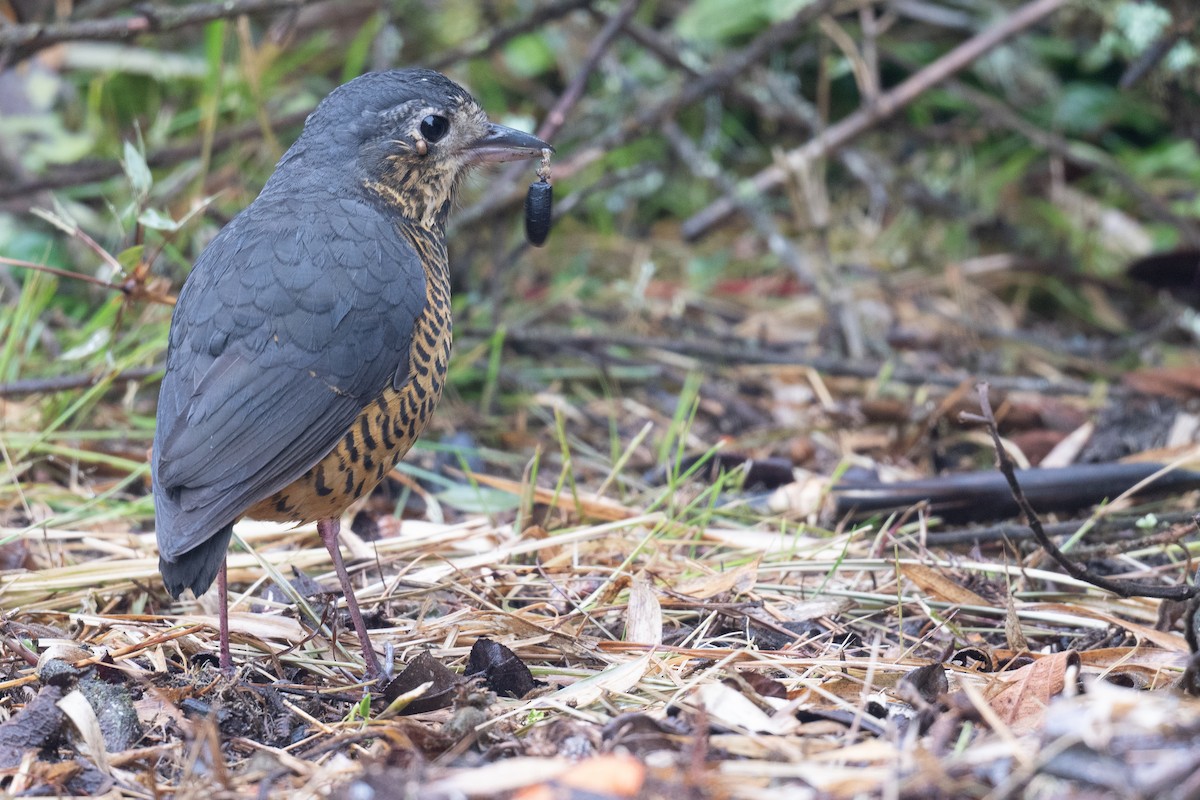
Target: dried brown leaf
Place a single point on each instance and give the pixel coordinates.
(738, 581)
(935, 582)
(643, 619)
(1022, 701)
(1012, 626)
(1180, 382)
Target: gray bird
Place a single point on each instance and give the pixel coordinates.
(309, 344)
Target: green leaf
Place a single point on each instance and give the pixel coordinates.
(529, 55)
(137, 170)
(155, 219)
(93, 344)
(722, 20)
(130, 257)
(360, 47)
(478, 499)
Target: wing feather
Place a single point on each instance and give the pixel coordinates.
(295, 317)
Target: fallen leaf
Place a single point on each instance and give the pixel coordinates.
(1022, 701)
(601, 776)
(734, 710)
(935, 582)
(617, 679)
(739, 581)
(427, 671)
(501, 669)
(643, 618)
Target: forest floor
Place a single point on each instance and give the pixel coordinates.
(644, 583)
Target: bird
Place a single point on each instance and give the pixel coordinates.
(309, 343)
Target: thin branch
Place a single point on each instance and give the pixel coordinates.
(649, 120)
(94, 171)
(1121, 588)
(600, 45)
(1103, 529)
(497, 38)
(1083, 156)
(739, 352)
(20, 41)
(870, 115)
(62, 383)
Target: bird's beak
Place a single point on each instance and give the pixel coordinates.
(505, 144)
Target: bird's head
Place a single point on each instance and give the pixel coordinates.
(407, 136)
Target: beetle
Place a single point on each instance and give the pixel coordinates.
(539, 204)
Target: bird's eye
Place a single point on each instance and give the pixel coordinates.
(434, 127)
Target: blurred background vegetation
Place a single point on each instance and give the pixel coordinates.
(1001, 203)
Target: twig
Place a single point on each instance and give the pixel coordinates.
(1085, 157)
(94, 171)
(1102, 530)
(600, 45)
(62, 383)
(501, 35)
(869, 115)
(145, 644)
(723, 352)
(500, 196)
(702, 166)
(1006, 467)
(23, 40)
(57, 272)
(132, 287)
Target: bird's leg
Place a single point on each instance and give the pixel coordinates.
(225, 659)
(328, 529)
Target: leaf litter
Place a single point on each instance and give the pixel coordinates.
(642, 586)
(671, 642)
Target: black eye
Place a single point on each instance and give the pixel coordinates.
(434, 127)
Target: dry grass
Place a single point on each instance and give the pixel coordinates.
(645, 612)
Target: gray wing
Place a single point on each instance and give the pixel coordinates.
(295, 317)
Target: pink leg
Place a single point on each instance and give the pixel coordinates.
(226, 660)
(328, 530)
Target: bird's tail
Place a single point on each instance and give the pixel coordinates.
(197, 568)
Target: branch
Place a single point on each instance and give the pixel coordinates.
(503, 194)
(868, 116)
(62, 383)
(499, 36)
(94, 171)
(29, 38)
(736, 352)
(600, 45)
(1121, 588)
